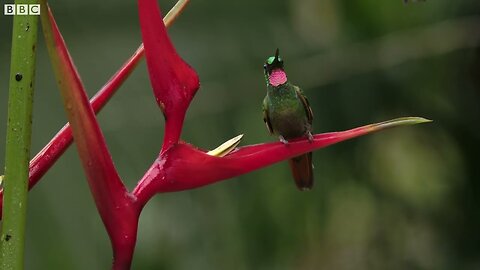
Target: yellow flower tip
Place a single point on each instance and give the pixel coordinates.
(402, 121)
(226, 147)
(424, 120)
(414, 120)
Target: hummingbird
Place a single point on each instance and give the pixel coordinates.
(287, 113)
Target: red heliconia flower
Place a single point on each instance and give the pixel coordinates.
(179, 166)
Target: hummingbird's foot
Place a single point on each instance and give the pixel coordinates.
(282, 139)
(310, 137)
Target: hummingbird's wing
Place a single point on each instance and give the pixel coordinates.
(305, 103)
(266, 117)
(302, 167)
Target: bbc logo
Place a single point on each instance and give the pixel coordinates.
(21, 9)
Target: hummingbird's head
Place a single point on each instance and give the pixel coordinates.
(272, 63)
(274, 73)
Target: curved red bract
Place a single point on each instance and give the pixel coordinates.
(184, 166)
(174, 82)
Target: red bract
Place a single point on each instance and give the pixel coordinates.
(174, 82)
(184, 166)
(179, 166)
(114, 203)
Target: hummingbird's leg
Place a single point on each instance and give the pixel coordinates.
(282, 139)
(310, 137)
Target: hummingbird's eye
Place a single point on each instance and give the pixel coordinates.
(265, 66)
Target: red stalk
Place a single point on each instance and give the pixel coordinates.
(45, 159)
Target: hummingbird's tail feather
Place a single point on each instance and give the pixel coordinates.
(302, 170)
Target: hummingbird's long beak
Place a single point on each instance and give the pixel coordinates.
(276, 55)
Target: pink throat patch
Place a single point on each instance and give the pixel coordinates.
(277, 77)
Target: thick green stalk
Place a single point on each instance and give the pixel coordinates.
(17, 154)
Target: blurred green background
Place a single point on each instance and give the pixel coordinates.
(401, 199)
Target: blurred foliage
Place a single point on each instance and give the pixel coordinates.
(401, 199)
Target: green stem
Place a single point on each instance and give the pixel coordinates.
(17, 154)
